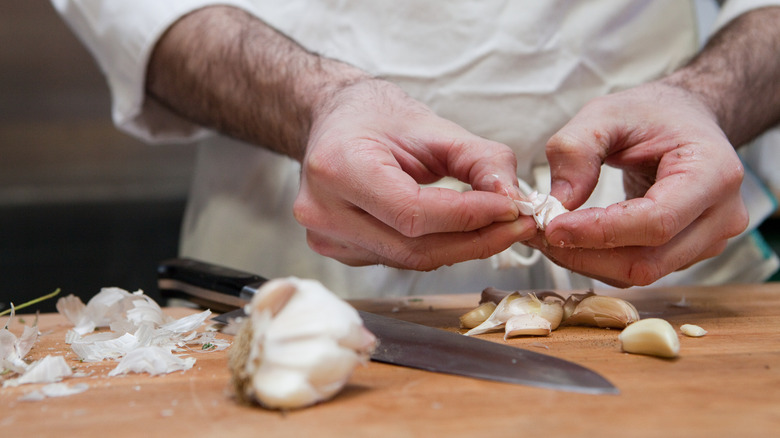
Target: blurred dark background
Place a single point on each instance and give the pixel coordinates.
(82, 205)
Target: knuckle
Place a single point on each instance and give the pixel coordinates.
(303, 213)
(409, 220)
(418, 260)
(644, 272)
(662, 227)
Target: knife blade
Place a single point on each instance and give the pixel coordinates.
(399, 342)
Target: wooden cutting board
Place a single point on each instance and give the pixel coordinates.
(724, 384)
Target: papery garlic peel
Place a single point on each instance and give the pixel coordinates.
(603, 311)
(651, 336)
(298, 346)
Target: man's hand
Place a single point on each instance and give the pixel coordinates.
(681, 176)
(365, 146)
(673, 139)
(361, 199)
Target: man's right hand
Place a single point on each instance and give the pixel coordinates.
(361, 200)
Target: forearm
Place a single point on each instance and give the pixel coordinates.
(737, 75)
(227, 70)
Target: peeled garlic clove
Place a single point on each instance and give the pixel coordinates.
(693, 331)
(603, 311)
(529, 324)
(652, 336)
(298, 346)
(477, 315)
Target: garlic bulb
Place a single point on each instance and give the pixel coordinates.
(603, 311)
(298, 346)
(651, 336)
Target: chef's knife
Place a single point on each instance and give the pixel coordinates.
(400, 342)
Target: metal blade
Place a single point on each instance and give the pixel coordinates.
(418, 346)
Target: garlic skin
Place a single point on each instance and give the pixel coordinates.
(298, 346)
(603, 311)
(543, 208)
(692, 330)
(651, 336)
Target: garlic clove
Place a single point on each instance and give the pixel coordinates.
(571, 303)
(651, 336)
(529, 324)
(693, 331)
(498, 318)
(517, 304)
(603, 311)
(477, 315)
(298, 346)
(552, 311)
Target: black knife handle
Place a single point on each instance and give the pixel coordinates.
(172, 274)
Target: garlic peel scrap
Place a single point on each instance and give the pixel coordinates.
(543, 208)
(651, 336)
(152, 360)
(298, 346)
(47, 370)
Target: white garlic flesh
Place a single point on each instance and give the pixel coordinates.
(529, 324)
(651, 336)
(298, 346)
(692, 330)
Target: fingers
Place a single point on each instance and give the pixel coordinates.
(362, 240)
(642, 265)
(377, 179)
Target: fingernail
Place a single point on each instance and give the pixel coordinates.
(562, 190)
(561, 239)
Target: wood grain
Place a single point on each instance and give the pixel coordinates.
(724, 384)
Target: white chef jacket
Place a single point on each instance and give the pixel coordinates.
(510, 71)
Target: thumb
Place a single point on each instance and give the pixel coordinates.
(575, 160)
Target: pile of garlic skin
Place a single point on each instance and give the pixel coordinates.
(141, 336)
(298, 345)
